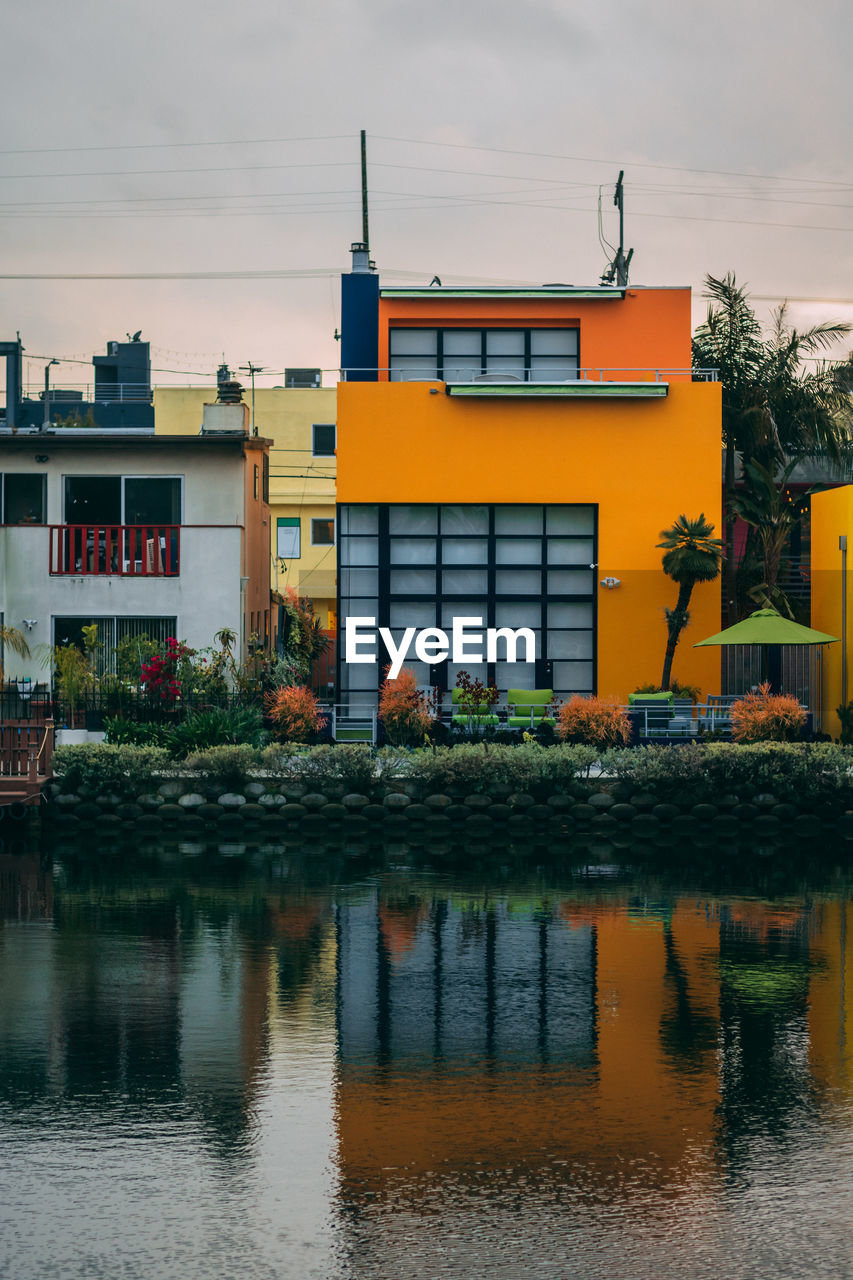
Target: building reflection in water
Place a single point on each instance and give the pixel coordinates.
(627, 1046)
(599, 1035)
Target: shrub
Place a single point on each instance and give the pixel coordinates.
(691, 773)
(122, 732)
(295, 712)
(162, 675)
(593, 721)
(98, 767)
(340, 769)
(475, 700)
(405, 710)
(767, 717)
(676, 688)
(224, 766)
(218, 726)
(467, 769)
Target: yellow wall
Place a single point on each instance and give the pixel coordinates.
(644, 462)
(300, 485)
(831, 515)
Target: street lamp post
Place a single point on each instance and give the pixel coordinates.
(46, 423)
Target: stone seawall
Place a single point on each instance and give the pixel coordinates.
(599, 809)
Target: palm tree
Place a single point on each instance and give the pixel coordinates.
(15, 640)
(691, 555)
(769, 509)
(772, 407)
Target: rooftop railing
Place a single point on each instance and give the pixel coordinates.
(598, 373)
(83, 392)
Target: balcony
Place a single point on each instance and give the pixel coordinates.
(122, 550)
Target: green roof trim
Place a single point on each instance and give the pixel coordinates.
(580, 388)
(498, 291)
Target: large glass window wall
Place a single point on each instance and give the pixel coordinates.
(513, 566)
(465, 355)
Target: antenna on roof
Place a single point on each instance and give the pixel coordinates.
(365, 232)
(618, 268)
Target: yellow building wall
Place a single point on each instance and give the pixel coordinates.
(300, 485)
(831, 515)
(831, 998)
(642, 461)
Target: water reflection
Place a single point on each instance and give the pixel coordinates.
(269, 1060)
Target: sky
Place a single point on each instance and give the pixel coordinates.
(184, 139)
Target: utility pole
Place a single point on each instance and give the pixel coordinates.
(365, 231)
(46, 423)
(618, 268)
(252, 369)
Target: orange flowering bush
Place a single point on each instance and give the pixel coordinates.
(295, 712)
(405, 710)
(593, 721)
(767, 717)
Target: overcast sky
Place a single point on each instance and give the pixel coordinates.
(184, 137)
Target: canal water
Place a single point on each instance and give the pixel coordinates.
(275, 1061)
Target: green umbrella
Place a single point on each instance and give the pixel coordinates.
(769, 629)
(766, 626)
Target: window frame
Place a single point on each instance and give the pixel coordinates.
(330, 520)
(324, 453)
(122, 478)
(482, 335)
(39, 475)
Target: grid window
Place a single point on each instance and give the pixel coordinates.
(464, 355)
(428, 571)
(323, 439)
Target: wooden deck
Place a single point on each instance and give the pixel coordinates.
(26, 759)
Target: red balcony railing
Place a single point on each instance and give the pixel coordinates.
(126, 550)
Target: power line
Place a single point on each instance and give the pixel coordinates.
(158, 146)
(634, 164)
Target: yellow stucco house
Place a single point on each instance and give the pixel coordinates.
(301, 422)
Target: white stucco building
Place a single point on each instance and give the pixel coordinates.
(166, 535)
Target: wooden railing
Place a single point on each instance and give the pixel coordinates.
(26, 751)
(128, 550)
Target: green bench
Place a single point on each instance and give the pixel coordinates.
(528, 707)
(477, 715)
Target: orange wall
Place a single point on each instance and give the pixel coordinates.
(256, 537)
(648, 329)
(644, 462)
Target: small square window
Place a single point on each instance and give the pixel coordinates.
(322, 533)
(288, 538)
(323, 439)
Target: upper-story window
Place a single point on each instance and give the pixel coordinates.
(323, 439)
(463, 355)
(22, 498)
(122, 500)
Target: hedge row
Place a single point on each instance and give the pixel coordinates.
(792, 771)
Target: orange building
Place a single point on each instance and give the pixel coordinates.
(514, 458)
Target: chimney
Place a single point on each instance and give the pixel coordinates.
(360, 318)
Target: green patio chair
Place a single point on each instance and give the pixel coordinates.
(655, 712)
(528, 707)
(479, 716)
